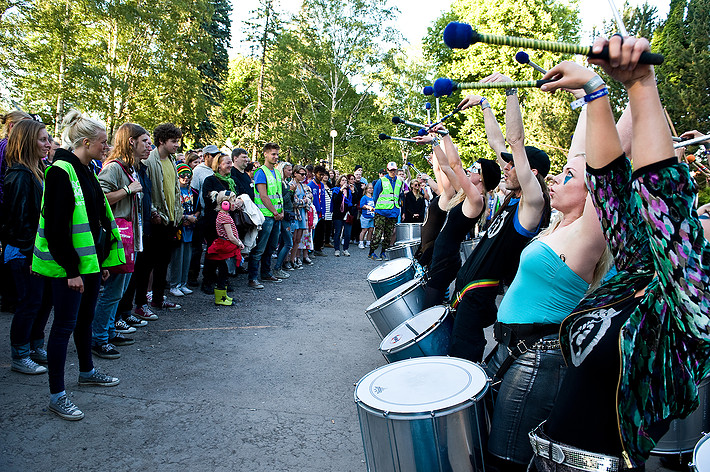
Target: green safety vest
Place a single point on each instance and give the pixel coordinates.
(388, 198)
(273, 191)
(42, 261)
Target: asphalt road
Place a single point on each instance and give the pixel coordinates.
(266, 385)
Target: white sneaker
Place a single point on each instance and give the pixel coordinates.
(337, 253)
(176, 292)
(361, 245)
(367, 243)
(183, 288)
(346, 253)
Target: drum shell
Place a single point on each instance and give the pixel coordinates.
(392, 312)
(407, 231)
(701, 455)
(445, 440)
(433, 342)
(405, 249)
(685, 433)
(382, 286)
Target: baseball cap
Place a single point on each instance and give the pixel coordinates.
(537, 158)
(210, 149)
(391, 165)
(490, 171)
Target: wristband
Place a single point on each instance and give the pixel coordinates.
(598, 94)
(593, 84)
(435, 142)
(128, 190)
(578, 103)
(484, 105)
(511, 91)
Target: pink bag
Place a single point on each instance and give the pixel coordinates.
(125, 228)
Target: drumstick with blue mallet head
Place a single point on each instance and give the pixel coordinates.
(461, 36)
(429, 90)
(523, 58)
(384, 136)
(445, 87)
(424, 131)
(427, 105)
(399, 121)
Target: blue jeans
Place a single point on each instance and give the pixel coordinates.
(103, 327)
(287, 239)
(180, 264)
(73, 313)
(346, 228)
(33, 306)
(522, 400)
(266, 242)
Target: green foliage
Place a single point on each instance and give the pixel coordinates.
(684, 77)
(148, 62)
(549, 122)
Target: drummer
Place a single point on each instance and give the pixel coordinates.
(525, 211)
(638, 346)
(556, 270)
(464, 208)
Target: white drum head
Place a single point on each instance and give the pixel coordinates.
(389, 268)
(394, 293)
(421, 385)
(408, 331)
(701, 454)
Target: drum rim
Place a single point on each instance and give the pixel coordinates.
(372, 309)
(423, 414)
(407, 243)
(391, 277)
(420, 336)
(706, 437)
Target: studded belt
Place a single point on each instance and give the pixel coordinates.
(573, 457)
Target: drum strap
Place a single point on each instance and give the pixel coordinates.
(519, 339)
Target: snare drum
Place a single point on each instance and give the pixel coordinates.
(423, 414)
(405, 249)
(407, 232)
(685, 433)
(396, 306)
(390, 275)
(427, 334)
(701, 455)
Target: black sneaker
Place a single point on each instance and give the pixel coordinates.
(207, 288)
(121, 340)
(105, 351)
(98, 378)
(193, 283)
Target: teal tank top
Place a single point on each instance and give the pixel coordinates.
(545, 289)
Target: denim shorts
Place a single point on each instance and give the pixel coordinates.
(367, 222)
(522, 400)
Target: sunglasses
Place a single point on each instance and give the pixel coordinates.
(301, 173)
(475, 168)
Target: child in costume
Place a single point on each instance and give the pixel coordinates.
(226, 245)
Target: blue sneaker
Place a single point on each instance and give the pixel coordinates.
(374, 257)
(383, 257)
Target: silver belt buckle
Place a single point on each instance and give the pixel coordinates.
(556, 453)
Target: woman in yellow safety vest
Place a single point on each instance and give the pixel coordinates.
(77, 240)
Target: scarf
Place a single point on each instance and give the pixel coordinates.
(227, 179)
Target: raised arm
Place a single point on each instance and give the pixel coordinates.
(532, 199)
(494, 135)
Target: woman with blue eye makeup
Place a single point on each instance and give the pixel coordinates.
(556, 269)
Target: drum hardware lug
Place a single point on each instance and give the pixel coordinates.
(385, 414)
(432, 414)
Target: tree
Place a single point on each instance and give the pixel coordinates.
(549, 122)
(238, 117)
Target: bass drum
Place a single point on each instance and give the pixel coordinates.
(390, 275)
(396, 306)
(427, 334)
(423, 415)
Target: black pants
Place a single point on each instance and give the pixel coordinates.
(198, 236)
(319, 235)
(476, 311)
